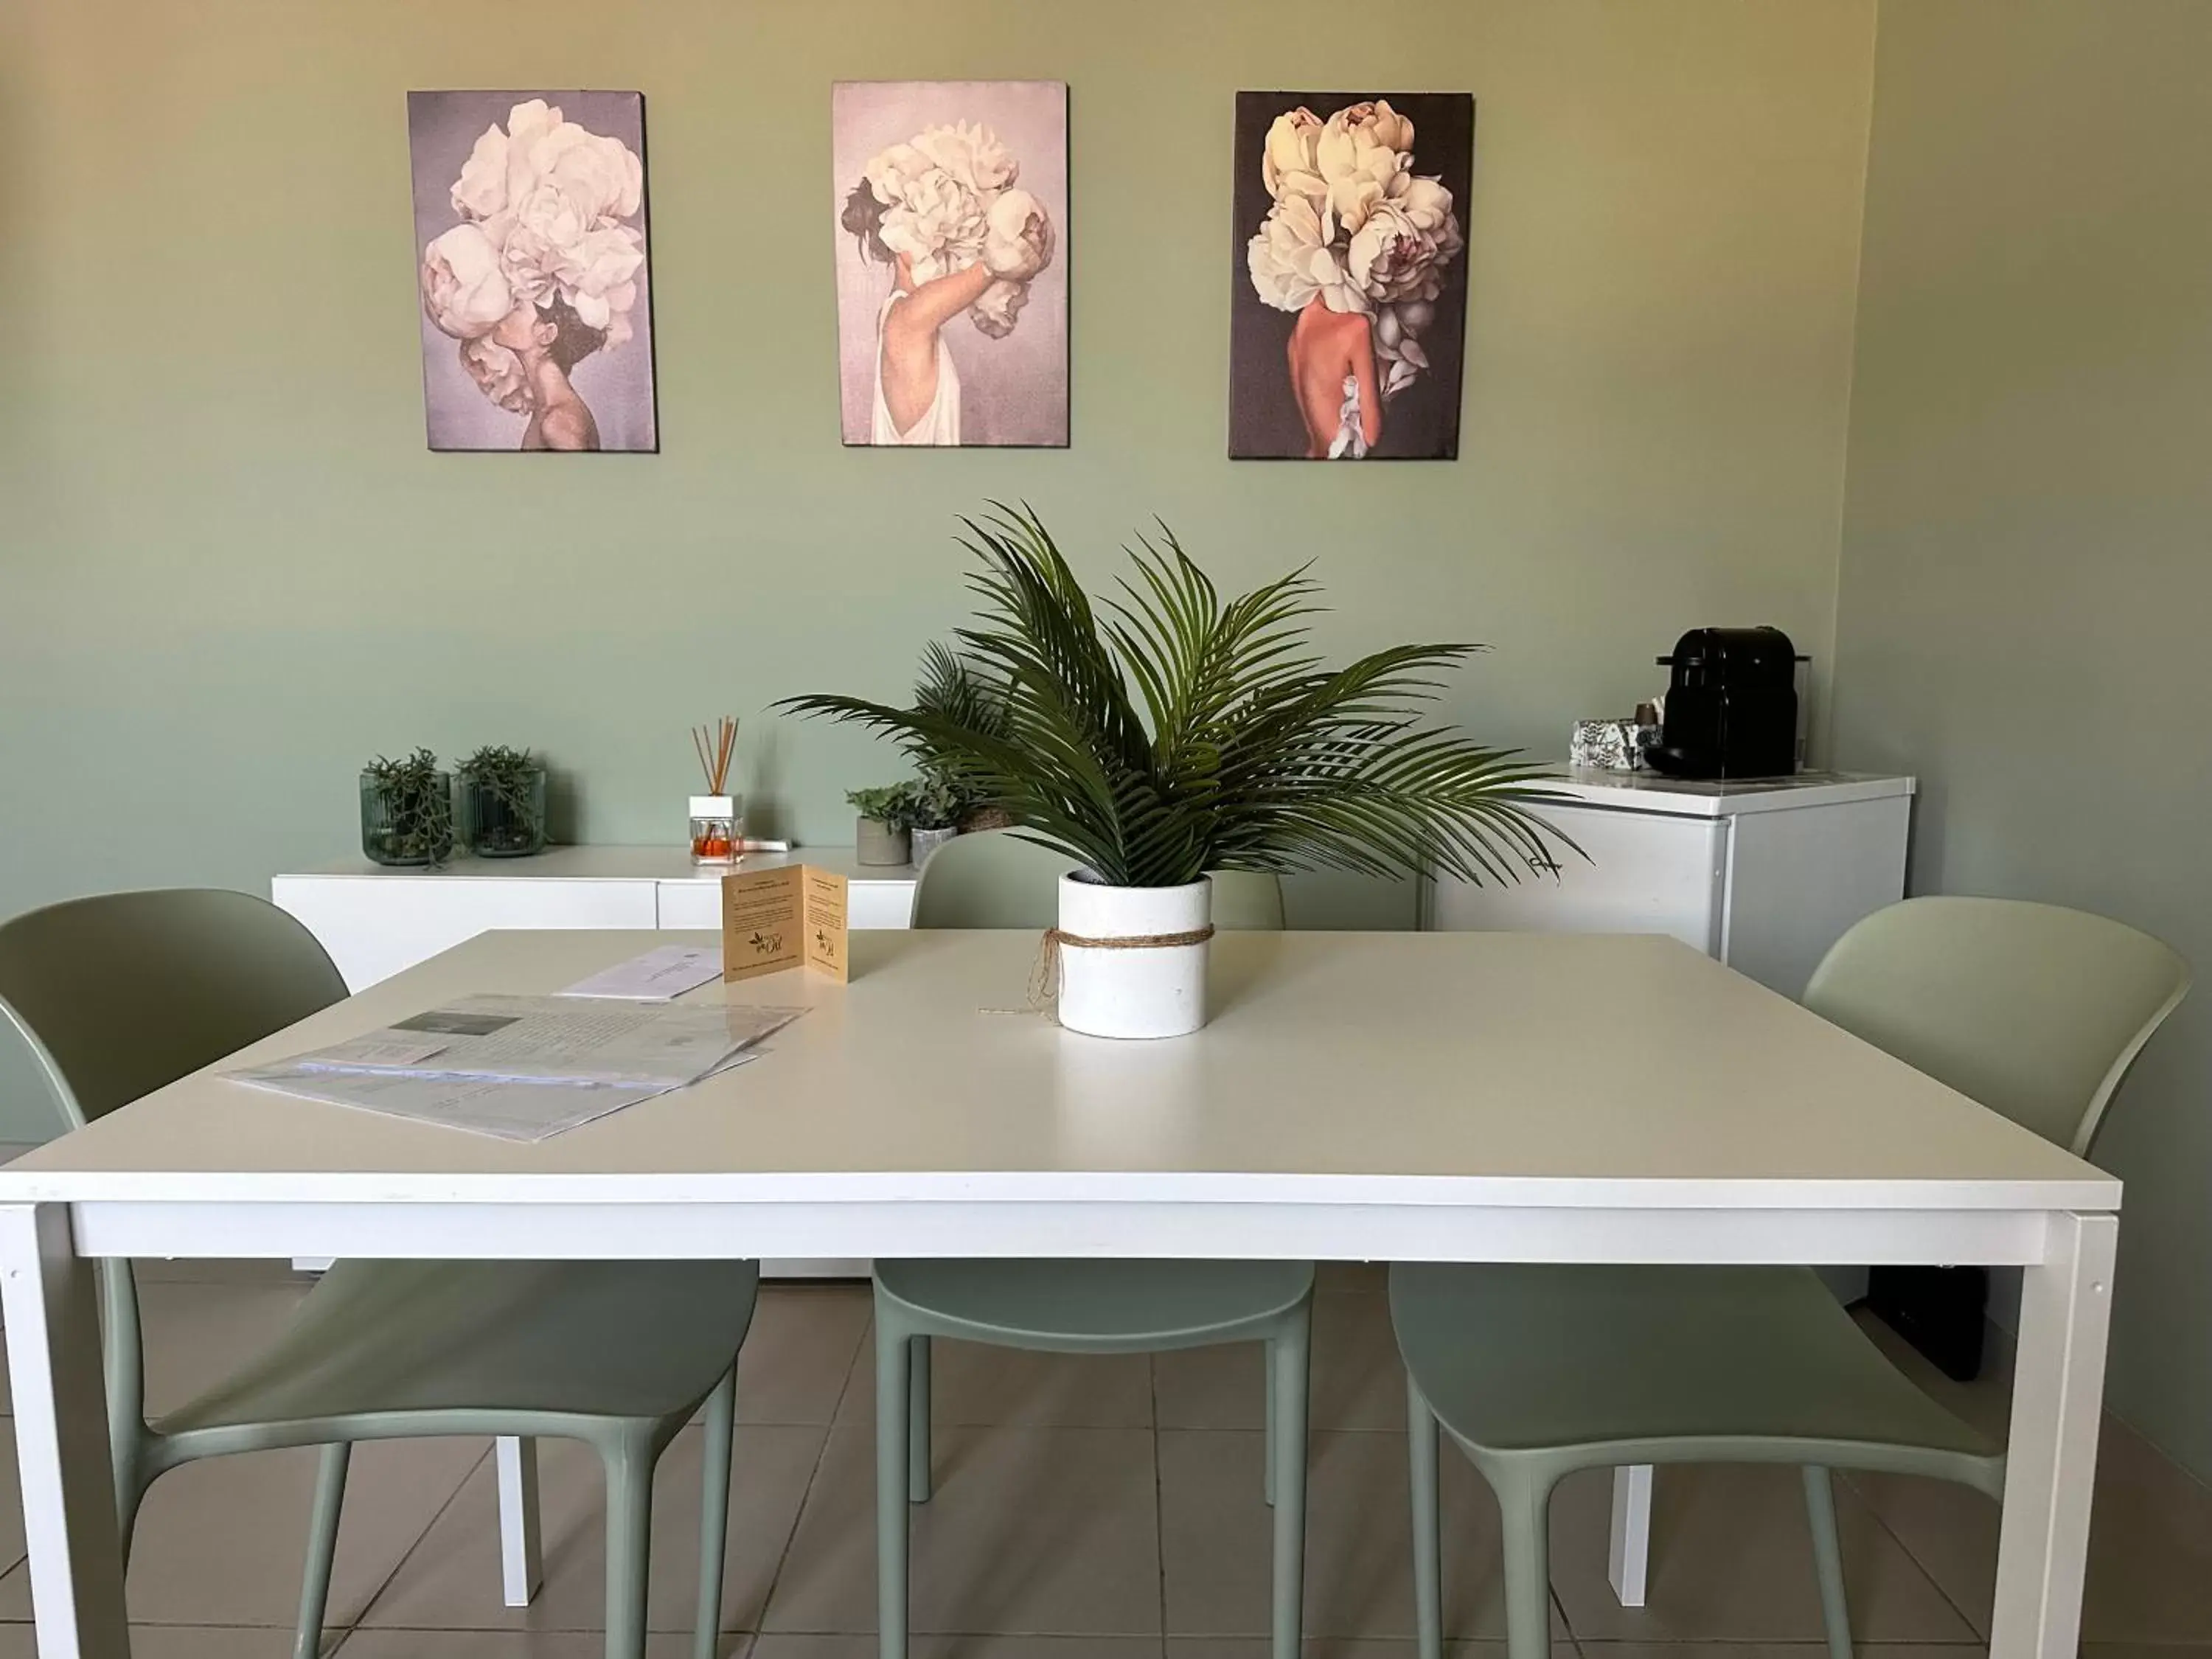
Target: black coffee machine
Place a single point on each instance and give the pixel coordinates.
(1731, 705)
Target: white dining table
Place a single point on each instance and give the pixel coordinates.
(1368, 1097)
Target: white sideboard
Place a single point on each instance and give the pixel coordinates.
(1763, 875)
(374, 919)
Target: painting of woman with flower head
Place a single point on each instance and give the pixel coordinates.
(1348, 321)
(529, 229)
(950, 200)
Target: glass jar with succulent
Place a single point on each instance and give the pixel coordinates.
(502, 802)
(406, 809)
(939, 803)
(1167, 731)
(884, 832)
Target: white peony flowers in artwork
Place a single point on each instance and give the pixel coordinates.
(1348, 223)
(952, 209)
(545, 264)
(947, 201)
(1354, 226)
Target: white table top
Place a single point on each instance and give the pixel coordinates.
(1713, 798)
(1401, 1069)
(610, 864)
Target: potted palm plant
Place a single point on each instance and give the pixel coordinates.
(1167, 732)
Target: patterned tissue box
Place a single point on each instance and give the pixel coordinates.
(1610, 745)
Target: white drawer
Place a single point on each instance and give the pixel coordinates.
(374, 925)
(879, 904)
(690, 903)
(868, 904)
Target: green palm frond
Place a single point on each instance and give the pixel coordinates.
(1166, 731)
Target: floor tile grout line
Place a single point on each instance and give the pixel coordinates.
(821, 1455)
(409, 1553)
(1852, 1485)
(1159, 1498)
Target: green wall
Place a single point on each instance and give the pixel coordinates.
(231, 572)
(2025, 586)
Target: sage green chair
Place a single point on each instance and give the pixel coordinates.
(995, 879)
(1537, 1371)
(111, 997)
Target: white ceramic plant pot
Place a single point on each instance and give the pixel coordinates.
(875, 842)
(1133, 991)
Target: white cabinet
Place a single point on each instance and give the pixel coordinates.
(1764, 875)
(374, 920)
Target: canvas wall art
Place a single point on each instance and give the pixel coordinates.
(1348, 314)
(949, 200)
(530, 236)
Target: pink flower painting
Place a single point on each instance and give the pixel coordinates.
(950, 200)
(530, 227)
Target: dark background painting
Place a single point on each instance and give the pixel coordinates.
(1422, 422)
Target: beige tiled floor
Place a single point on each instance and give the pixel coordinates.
(1086, 1509)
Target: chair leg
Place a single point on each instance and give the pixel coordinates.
(894, 1377)
(1428, 1540)
(1524, 1502)
(1267, 1365)
(629, 1461)
(918, 1471)
(322, 1550)
(1286, 1389)
(128, 1496)
(1828, 1559)
(714, 1511)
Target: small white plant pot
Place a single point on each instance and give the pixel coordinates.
(876, 843)
(1133, 991)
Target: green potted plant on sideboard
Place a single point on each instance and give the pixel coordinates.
(953, 690)
(502, 802)
(1165, 732)
(938, 803)
(884, 832)
(406, 809)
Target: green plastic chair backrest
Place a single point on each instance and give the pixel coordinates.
(990, 879)
(995, 879)
(113, 997)
(2033, 1009)
(1248, 901)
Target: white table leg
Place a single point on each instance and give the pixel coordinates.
(2057, 1395)
(1629, 1566)
(60, 1436)
(522, 1560)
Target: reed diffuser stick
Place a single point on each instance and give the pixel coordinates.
(714, 751)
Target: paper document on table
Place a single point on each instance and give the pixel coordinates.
(510, 1110)
(559, 1039)
(655, 977)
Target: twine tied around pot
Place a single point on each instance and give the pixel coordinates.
(1044, 977)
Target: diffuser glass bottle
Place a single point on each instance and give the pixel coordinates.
(717, 818)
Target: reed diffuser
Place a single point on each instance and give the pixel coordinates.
(718, 828)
